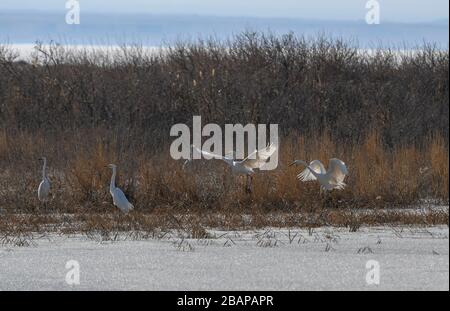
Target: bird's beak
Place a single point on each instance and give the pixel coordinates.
(292, 163)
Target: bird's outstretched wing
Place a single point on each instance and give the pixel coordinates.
(306, 174)
(230, 154)
(337, 170)
(210, 155)
(258, 158)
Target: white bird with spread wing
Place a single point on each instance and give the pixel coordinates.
(247, 166)
(328, 180)
(119, 198)
(44, 186)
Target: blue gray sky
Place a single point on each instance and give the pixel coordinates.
(404, 23)
(410, 11)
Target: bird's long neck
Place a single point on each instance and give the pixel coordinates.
(44, 169)
(313, 172)
(113, 179)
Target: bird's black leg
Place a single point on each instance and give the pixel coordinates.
(323, 197)
(227, 181)
(327, 198)
(248, 186)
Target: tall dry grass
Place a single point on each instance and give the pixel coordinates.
(379, 177)
(384, 113)
(438, 168)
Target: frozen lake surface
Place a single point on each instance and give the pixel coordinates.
(271, 259)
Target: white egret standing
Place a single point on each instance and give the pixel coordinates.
(328, 180)
(255, 160)
(44, 186)
(119, 198)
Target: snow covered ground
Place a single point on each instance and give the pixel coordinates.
(272, 259)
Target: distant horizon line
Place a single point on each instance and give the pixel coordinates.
(438, 21)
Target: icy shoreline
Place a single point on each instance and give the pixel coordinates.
(410, 258)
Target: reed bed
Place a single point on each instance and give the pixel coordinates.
(80, 178)
(383, 112)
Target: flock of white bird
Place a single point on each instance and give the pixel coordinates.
(330, 179)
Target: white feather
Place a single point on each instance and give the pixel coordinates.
(333, 178)
(119, 198)
(44, 186)
(307, 175)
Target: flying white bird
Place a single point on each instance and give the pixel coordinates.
(247, 166)
(119, 198)
(329, 180)
(44, 186)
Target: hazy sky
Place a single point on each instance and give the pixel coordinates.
(391, 10)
